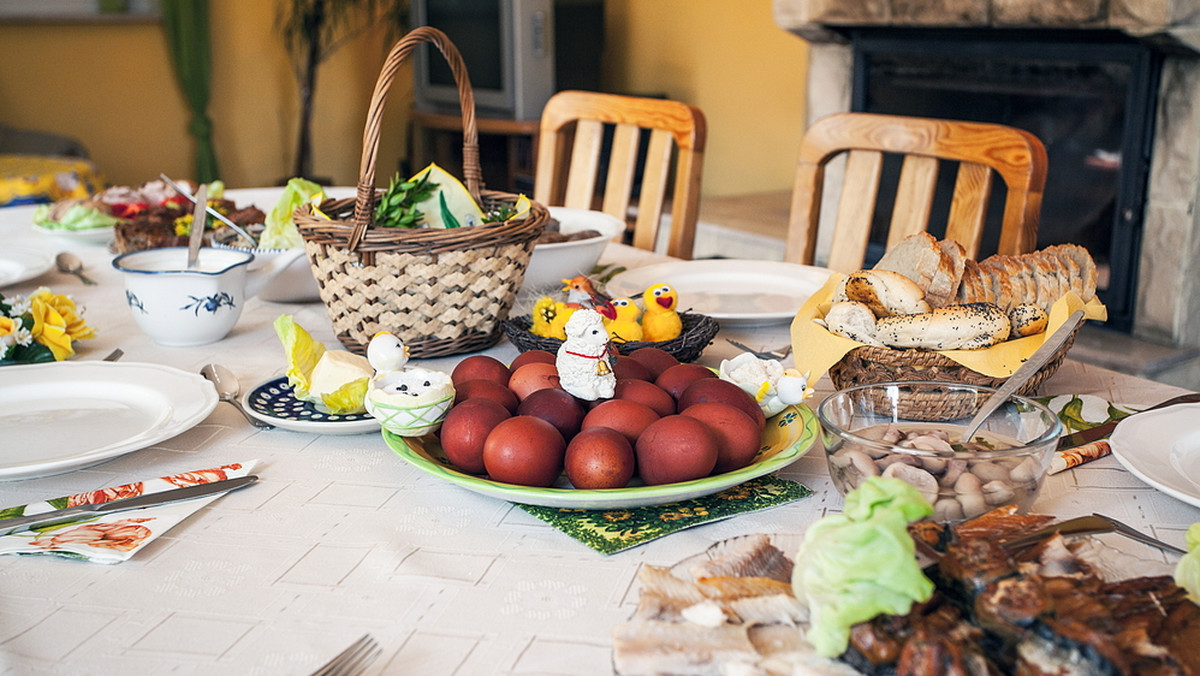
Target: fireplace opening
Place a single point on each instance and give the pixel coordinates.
(1090, 96)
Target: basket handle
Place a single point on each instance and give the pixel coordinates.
(365, 197)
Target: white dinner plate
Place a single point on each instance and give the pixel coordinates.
(18, 264)
(1162, 448)
(730, 291)
(273, 402)
(63, 416)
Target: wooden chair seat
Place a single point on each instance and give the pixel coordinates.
(569, 161)
(982, 151)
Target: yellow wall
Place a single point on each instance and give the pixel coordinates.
(111, 85)
(728, 58)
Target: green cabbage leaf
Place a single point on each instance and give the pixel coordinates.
(280, 232)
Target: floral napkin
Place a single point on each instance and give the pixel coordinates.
(1079, 412)
(609, 531)
(113, 538)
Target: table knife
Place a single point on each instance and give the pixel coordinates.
(1102, 431)
(77, 512)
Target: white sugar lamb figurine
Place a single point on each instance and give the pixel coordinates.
(585, 359)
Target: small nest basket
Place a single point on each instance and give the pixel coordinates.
(698, 331)
(868, 365)
(443, 292)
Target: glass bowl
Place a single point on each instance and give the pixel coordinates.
(912, 430)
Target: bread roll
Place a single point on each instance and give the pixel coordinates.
(854, 320)
(954, 327)
(886, 292)
(1027, 319)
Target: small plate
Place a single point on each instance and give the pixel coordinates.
(731, 291)
(1162, 448)
(100, 236)
(18, 264)
(273, 402)
(787, 437)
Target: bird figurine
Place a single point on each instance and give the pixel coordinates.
(624, 326)
(582, 292)
(772, 386)
(386, 352)
(549, 316)
(585, 359)
(660, 321)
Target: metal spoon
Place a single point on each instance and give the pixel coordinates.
(228, 388)
(69, 263)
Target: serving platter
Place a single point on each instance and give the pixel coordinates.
(64, 416)
(18, 264)
(734, 292)
(1162, 448)
(274, 402)
(97, 236)
(787, 437)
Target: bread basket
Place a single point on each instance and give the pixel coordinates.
(443, 292)
(866, 365)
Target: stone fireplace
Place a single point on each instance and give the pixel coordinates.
(1165, 294)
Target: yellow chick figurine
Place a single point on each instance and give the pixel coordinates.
(549, 317)
(625, 327)
(661, 322)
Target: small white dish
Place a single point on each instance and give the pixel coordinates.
(63, 416)
(1162, 448)
(18, 264)
(274, 403)
(731, 291)
(90, 236)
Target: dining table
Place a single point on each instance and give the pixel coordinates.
(340, 536)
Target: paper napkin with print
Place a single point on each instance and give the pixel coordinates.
(609, 531)
(1080, 412)
(113, 538)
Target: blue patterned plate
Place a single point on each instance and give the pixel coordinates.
(274, 403)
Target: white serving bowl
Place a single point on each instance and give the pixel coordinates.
(552, 263)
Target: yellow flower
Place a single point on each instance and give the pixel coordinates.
(56, 323)
(8, 326)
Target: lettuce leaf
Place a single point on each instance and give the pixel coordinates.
(280, 232)
(1187, 571)
(78, 217)
(348, 398)
(861, 563)
(302, 351)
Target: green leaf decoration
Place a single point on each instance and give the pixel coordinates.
(447, 216)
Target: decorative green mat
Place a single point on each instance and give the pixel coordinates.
(609, 531)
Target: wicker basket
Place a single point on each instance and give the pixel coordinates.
(698, 332)
(868, 365)
(443, 292)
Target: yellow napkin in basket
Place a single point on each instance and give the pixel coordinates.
(816, 349)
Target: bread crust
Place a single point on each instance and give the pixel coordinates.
(1028, 319)
(955, 327)
(886, 293)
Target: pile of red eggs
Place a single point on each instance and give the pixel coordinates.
(667, 422)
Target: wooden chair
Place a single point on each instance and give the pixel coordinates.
(568, 171)
(983, 150)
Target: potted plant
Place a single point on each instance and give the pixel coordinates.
(312, 30)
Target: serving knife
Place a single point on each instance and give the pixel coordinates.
(196, 236)
(1103, 431)
(77, 512)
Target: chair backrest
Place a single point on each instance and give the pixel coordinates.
(983, 150)
(567, 172)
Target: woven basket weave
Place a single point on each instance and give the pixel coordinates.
(698, 332)
(442, 292)
(868, 365)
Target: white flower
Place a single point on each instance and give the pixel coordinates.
(24, 337)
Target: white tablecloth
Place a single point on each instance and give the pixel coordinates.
(341, 537)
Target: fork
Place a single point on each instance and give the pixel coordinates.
(353, 660)
(1090, 525)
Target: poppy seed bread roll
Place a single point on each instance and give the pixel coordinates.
(1028, 319)
(886, 292)
(955, 327)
